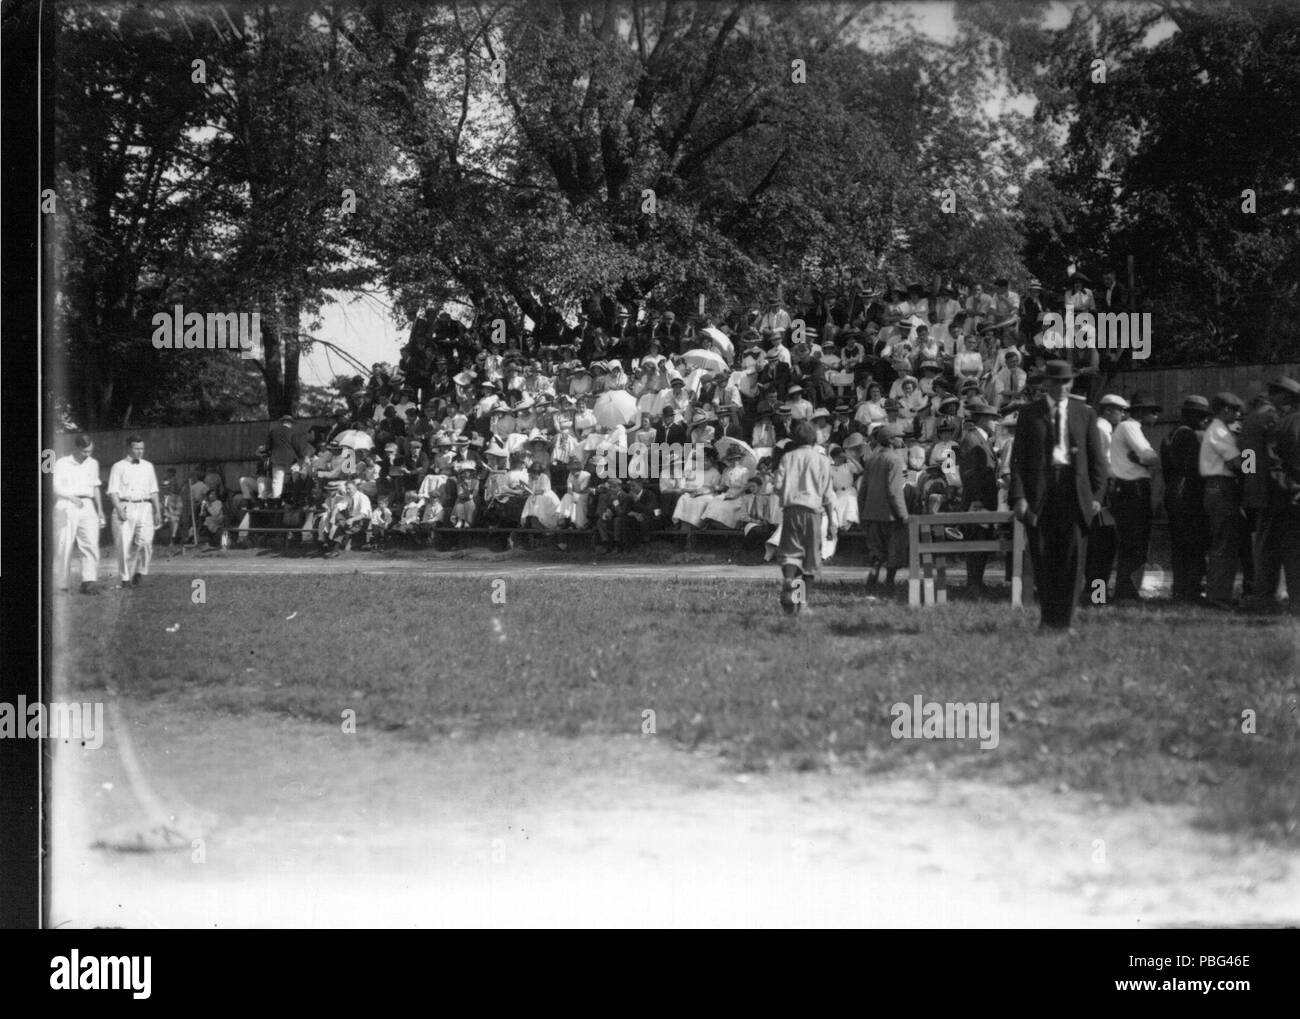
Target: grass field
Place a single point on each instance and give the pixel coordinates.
(1144, 705)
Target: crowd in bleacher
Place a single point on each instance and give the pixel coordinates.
(481, 427)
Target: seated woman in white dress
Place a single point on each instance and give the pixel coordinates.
(542, 507)
(728, 508)
(762, 504)
(573, 504)
(872, 410)
(701, 485)
(844, 480)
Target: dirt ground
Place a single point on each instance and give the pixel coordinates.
(276, 822)
(302, 825)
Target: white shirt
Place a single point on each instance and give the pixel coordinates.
(360, 505)
(132, 482)
(1217, 447)
(1106, 429)
(1061, 451)
(74, 480)
(777, 321)
(1128, 436)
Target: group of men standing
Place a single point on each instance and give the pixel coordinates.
(79, 513)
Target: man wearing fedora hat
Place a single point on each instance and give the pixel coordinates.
(978, 466)
(1189, 527)
(1058, 479)
(1131, 458)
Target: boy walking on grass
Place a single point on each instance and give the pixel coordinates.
(803, 485)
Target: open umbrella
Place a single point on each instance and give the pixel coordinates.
(617, 407)
(722, 340)
(749, 457)
(709, 360)
(355, 438)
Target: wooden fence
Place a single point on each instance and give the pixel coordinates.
(231, 448)
(928, 546)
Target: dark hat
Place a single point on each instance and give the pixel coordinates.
(1058, 371)
(1228, 400)
(287, 417)
(979, 407)
(1080, 278)
(892, 404)
(1286, 384)
(1196, 404)
(1139, 401)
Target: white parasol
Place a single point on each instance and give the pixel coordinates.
(617, 407)
(709, 360)
(749, 458)
(354, 438)
(722, 340)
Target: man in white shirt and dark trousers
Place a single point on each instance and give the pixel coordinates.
(133, 491)
(1219, 463)
(1131, 458)
(1101, 535)
(78, 514)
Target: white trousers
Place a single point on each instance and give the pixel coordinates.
(277, 480)
(76, 523)
(133, 538)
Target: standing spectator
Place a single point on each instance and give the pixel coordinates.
(285, 448)
(1264, 491)
(978, 466)
(776, 319)
(1100, 558)
(1219, 461)
(1189, 527)
(1058, 479)
(1131, 458)
(884, 509)
(1283, 538)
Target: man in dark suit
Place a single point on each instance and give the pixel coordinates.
(978, 466)
(284, 449)
(1058, 478)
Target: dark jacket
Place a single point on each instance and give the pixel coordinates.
(1257, 434)
(979, 469)
(284, 447)
(1031, 456)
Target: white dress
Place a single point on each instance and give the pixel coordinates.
(573, 504)
(728, 509)
(691, 506)
(843, 478)
(543, 503)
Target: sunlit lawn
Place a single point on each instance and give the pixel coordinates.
(1145, 704)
